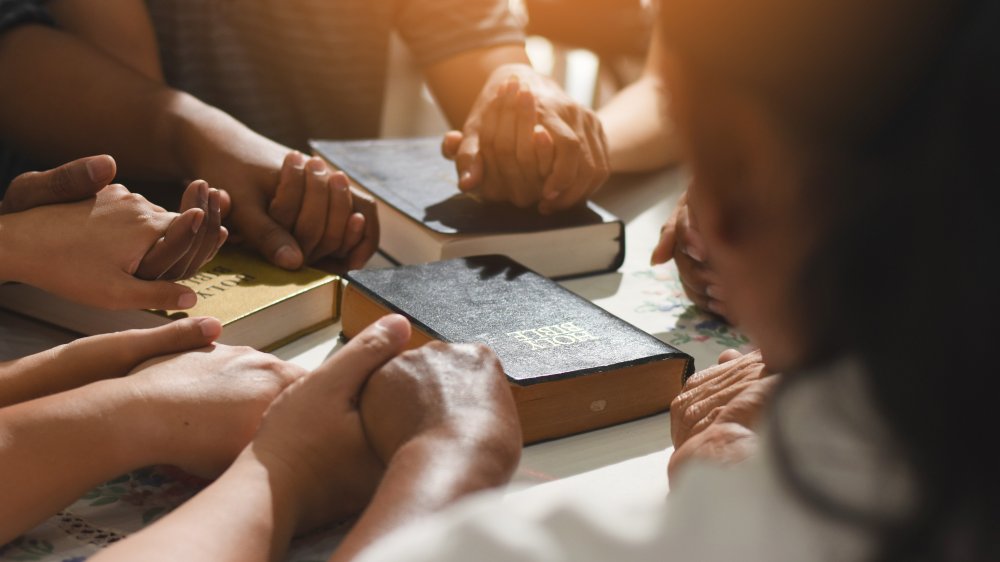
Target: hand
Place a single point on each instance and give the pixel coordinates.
(453, 393)
(198, 410)
(712, 394)
(296, 210)
(527, 142)
(94, 358)
(680, 241)
(189, 241)
(720, 443)
(312, 433)
(317, 205)
(89, 251)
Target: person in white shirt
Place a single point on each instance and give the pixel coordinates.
(846, 193)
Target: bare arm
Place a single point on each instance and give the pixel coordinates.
(640, 134)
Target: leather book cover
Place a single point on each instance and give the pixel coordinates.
(572, 365)
(413, 177)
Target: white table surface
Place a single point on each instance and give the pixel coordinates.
(624, 458)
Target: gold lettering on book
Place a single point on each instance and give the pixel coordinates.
(217, 280)
(556, 335)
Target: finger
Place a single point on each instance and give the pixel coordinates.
(210, 231)
(491, 186)
(506, 153)
(469, 163)
(691, 242)
(273, 242)
(339, 211)
(696, 411)
(367, 352)
(197, 196)
(287, 202)
(573, 194)
(369, 242)
(226, 202)
(526, 152)
(729, 355)
(172, 246)
(177, 336)
(450, 144)
(566, 167)
(311, 222)
(353, 234)
(70, 182)
(132, 293)
(545, 149)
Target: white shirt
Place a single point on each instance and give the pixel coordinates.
(745, 512)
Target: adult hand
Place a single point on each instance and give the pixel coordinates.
(718, 392)
(190, 240)
(452, 393)
(198, 410)
(526, 141)
(90, 251)
(311, 437)
(94, 358)
(295, 210)
(680, 241)
(723, 443)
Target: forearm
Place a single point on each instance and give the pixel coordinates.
(258, 518)
(54, 110)
(640, 135)
(424, 476)
(458, 82)
(41, 438)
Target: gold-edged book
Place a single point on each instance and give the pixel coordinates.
(260, 305)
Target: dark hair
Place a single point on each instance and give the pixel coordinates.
(903, 282)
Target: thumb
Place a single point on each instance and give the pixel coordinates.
(70, 182)
(269, 238)
(375, 346)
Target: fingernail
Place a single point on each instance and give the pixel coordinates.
(661, 272)
(713, 292)
(550, 195)
(287, 257)
(466, 176)
(317, 167)
(695, 253)
(358, 224)
(298, 160)
(187, 300)
(339, 181)
(100, 169)
(216, 201)
(210, 327)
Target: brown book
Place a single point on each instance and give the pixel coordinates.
(572, 365)
(260, 305)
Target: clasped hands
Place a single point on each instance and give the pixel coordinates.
(527, 142)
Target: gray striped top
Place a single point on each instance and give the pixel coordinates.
(299, 69)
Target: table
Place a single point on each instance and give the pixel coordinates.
(624, 458)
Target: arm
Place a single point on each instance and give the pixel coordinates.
(640, 133)
(159, 134)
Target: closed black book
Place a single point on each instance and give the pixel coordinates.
(424, 217)
(573, 366)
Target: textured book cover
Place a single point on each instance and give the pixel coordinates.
(412, 178)
(573, 365)
(259, 304)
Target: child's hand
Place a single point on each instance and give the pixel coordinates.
(199, 409)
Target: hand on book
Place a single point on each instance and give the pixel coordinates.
(183, 243)
(680, 241)
(198, 410)
(326, 216)
(526, 141)
(311, 438)
(716, 415)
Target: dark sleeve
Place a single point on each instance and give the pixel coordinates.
(439, 29)
(17, 12)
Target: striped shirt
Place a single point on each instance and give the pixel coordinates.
(299, 69)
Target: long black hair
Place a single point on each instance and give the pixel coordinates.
(904, 281)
